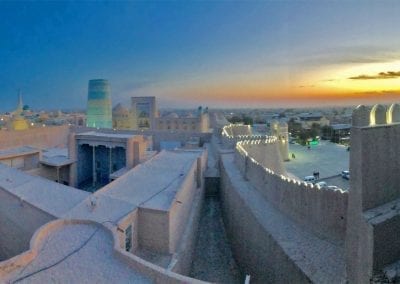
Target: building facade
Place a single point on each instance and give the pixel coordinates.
(144, 110)
(172, 122)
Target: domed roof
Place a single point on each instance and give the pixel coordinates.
(119, 109)
(172, 115)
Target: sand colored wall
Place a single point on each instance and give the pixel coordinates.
(254, 249)
(153, 230)
(323, 211)
(18, 222)
(162, 230)
(373, 219)
(41, 137)
(130, 219)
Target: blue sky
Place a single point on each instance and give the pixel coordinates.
(219, 53)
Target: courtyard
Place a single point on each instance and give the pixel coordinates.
(327, 158)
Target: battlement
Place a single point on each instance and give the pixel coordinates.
(364, 116)
(321, 210)
(233, 130)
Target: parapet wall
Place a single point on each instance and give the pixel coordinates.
(40, 137)
(266, 152)
(232, 133)
(321, 210)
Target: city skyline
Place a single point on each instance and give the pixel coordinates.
(221, 54)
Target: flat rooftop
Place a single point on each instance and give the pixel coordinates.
(105, 135)
(19, 151)
(49, 196)
(56, 157)
(153, 185)
(328, 158)
(74, 253)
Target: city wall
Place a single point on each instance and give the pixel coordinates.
(321, 210)
(40, 137)
(18, 222)
(255, 249)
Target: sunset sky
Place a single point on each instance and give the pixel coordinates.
(220, 53)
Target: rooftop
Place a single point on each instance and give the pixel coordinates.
(77, 253)
(56, 157)
(49, 196)
(19, 151)
(106, 135)
(138, 187)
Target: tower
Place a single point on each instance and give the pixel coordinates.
(20, 105)
(98, 112)
(280, 130)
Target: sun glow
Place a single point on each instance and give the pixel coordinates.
(372, 77)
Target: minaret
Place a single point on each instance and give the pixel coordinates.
(98, 112)
(18, 122)
(20, 106)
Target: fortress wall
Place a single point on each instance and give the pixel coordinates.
(254, 248)
(18, 222)
(41, 137)
(373, 217)
(267, 154)
(321, 210)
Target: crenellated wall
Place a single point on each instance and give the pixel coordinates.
(321, 210)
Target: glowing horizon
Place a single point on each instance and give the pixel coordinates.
(219, 54)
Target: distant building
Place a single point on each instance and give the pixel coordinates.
(198, 123)
(98, 113)
(123, 118)
(341, 133)
(144, 111)
(308, 119)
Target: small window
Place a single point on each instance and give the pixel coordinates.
(128, 238)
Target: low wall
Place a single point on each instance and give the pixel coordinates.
(40, 137)
(321, 210)
(18, 222)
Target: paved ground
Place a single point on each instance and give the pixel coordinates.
(328, 158)
(213, 259)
